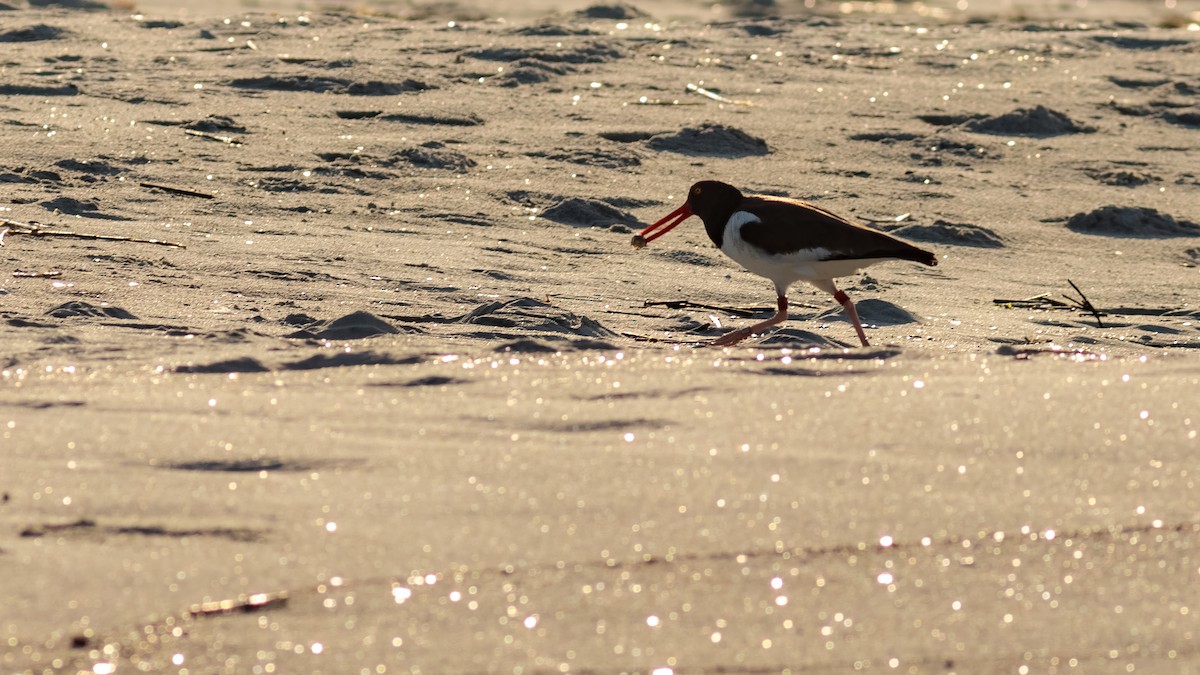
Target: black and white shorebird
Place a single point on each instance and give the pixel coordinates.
(785, 240)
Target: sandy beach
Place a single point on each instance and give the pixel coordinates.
(325, 348)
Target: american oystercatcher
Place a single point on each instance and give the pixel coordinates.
(784, 240)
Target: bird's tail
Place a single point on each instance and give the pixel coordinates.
(920, 255)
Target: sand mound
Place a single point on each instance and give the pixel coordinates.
(578, 212)
(216, 124)
(467, 120)
(710, 140)
(94, 167)
(36, 90)
(527, 314)
(1131, 221)
(592, 52)
(354, 326)
(1039, 121)
(1183, 119)
(552, 29)
(322, 84)
(688, 257)
(796, 337)
(616, 12)
(951, 234)
(431, 155)
(343, 359)
(874, 312)
(1121, 177)
(248, 465)
(69, 206)
(886, 137)
(608, 158)
(1140, 44)
(534, 66)
(81, 308)
(36, 33)
(245, 364)
(545, 346)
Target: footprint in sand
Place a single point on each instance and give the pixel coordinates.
(1122, 177)
(431, 155)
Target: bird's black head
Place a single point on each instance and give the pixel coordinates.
(713, 201)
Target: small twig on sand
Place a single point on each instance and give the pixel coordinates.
(243, 604)
(212, 137)
(36, 230)
(1045, 302)
(48, 274)
(894, 219)
(1041, 301)
(688, 304)
(1085, 304)
(177, 191)
(696, 89)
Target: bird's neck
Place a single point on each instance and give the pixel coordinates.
(714, 225)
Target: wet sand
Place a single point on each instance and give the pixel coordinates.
(405, 399)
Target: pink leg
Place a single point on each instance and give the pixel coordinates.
(734, 337)
(848, 306)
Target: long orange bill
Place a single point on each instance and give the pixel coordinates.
(674, 218)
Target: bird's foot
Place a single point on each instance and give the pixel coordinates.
(732, 337)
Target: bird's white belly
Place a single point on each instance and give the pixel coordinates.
(786, 268)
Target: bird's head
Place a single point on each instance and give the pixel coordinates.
(706, 199)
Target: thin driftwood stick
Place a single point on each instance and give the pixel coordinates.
(48, 274)
(688, 304)
(177, 191)
(244, 604)
(36, 230)
(212, 137)
(1039, 301)
(1086, 304)
(894, 219)
(696, 89)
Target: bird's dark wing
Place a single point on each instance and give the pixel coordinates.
(788, 225)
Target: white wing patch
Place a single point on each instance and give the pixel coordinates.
(737, 220)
